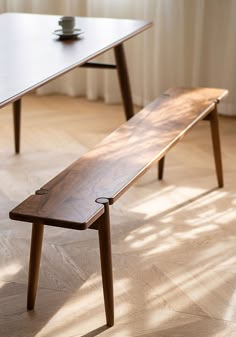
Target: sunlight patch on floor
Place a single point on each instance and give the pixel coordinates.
(12, 269)
(143, 230)
(79, 307)
(231, 309)
(226, 216)
(160, 203)
(144, 241)
(194, 233)
(211, 198)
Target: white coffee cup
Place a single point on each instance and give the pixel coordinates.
(67, 23)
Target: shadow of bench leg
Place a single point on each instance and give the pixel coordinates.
(17, 119)
(161, 168)
(34, 264)
(213, 117)
(106, 262)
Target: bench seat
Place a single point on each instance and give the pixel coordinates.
(79, 197)
(69, 200)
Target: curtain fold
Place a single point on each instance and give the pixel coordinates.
(192, 43)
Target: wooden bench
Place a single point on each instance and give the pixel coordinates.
(79, 197)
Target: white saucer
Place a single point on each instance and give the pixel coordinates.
(75, 33)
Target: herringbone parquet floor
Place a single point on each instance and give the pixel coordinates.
(174, 242)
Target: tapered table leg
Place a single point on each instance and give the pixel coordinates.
(124, 81)
(17, 121)
(106, 262)
(215, 134)
(34, 264)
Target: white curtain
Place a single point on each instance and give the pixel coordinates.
(192, 43)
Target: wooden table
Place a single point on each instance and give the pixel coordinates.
(31, 55)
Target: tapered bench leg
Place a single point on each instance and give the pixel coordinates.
(34, 263)
(215, 134)
(17, 120)
(161, 168)
(106, 263)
